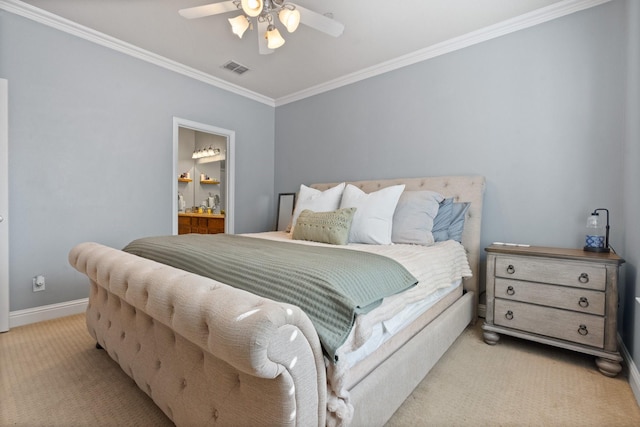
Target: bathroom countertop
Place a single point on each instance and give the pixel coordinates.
(200, 215)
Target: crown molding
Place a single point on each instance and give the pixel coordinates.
(521, 22)
(46, 18)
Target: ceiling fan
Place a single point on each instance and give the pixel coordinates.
(264, 12)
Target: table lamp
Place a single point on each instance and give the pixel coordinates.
(597, 235)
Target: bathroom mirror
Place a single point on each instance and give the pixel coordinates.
(202, 179)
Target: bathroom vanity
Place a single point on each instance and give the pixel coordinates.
(201, 223)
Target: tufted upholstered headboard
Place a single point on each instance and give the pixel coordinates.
(463, 189)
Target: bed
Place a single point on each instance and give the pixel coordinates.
(211, 354)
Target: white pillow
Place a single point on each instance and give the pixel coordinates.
(373, 220)
(316, 200)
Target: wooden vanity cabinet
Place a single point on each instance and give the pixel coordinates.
(200, 223)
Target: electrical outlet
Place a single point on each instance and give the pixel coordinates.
(38, 283)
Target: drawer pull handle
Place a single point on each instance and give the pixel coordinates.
(584, 278)
(584, 302)
(510, 290)
(509, 315)
(511, 269)
(582, 330)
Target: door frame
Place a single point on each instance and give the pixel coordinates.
(229, 170)
(4, 205)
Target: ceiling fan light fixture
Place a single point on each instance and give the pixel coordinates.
(239, 25)
(263, 14)
(290, 18)
(274, 39)
(252, 8)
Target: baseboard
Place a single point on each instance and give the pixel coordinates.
(634, 375)
(47, 312)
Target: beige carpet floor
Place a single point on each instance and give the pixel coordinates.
(52, 375)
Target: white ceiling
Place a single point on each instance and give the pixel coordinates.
(378, 36)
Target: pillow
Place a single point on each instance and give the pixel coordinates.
(458, 214)
(413, 218)
(317, 201)
(449, 222)
(373, 221)
(442, 221)
(324, 227)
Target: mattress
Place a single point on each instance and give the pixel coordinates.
(381, 332)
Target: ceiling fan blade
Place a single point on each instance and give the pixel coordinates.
(262, 40)
(320, 22)
(208, 10)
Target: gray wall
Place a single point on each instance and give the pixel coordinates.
(631, 321)
(540, 113)
(90, 152)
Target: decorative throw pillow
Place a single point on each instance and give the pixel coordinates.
(442, 221)
(449, 222)
(373, 221)
(458, 216)
(317, 201)
(324, 227)
(413, 218)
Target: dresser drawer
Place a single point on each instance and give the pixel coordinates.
(580, 275)
(566, 325)
(576, 299)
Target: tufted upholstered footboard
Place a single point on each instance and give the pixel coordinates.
(206, 353)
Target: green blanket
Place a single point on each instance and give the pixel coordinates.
(331, 285)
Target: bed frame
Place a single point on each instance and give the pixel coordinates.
(207, 353)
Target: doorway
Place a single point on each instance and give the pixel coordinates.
(219, 169)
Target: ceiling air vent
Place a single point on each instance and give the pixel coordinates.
(235, 67)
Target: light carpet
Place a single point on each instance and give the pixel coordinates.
(52, 375)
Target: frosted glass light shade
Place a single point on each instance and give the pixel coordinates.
(290, 19)
(252, 8)
(596, 236)
(274, 39)
(239, 25)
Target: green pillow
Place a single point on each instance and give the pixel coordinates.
(324, 227)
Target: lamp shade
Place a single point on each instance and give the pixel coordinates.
(290, 19)
(274, 39)
(252, 8)
(239, 25)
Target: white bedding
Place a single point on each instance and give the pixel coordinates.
(439, 269)
(440, 266)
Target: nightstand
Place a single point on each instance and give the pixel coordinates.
(562, 297)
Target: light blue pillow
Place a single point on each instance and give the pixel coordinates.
(458, 214)
(442, 221)
(449, 222)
